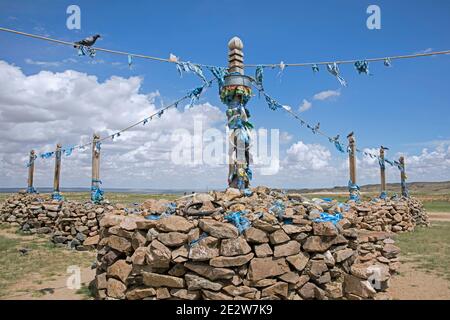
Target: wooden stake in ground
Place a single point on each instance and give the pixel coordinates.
(56, 195)
(96, 193)
(383, 193)
(352, 186)
(403, 177)
(30, 188)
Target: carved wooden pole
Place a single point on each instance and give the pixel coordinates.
(56, 195)
(30, 188)
(235, 93)
(352, 186)
(96, 193)
(403, 177)
(383, 193)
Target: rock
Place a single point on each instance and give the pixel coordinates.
(234, 247)
(390, 251)
(356, 286)
(160, 280)
(185, 294)
(318, 244)
(329, 259)
(138, 239)
(316, 268)
(298, 261)
(91, 241)
(195, 282)
(138, 256)
(158, 255)
(236, 261)
(342, 255)
(173, 239)
(279, 288)
(263, 250)
(254, 235)
(261, 268)
(239, 291)
(308, 291)
(162, 293)
(211, 295)
(174, 224)
(398, 218)
(278, 237)
(209, 272)
(120, 270)
(101, 281)
(140, 293)
(119, 243)
(290, 277)
(177, 270)
(146, 224)
(116, 289)
(218, 229)
(205, 249)
(324, 229)
(129, 223)
(288, 249)
(181, 254)
(155, 206)
(111, 220)
(334, 290)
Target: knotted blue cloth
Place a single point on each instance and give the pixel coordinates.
(334, 70)
(239, 221)
(326, 217)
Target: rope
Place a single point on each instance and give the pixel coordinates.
(145, 120)
(67, 43)
(311, 64)
(316, 128)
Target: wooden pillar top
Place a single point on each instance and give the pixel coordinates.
(235, 55)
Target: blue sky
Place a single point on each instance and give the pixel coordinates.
(404, 107)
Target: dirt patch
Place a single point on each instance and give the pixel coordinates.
(439, 216)
(415, 284)
(31, 267)
(34, 288)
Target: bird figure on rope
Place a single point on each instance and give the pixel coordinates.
(384, 148)
(350, 134)
(88, 42)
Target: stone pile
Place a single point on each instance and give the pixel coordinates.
(190, 250)
(418, 212)
(67, 222)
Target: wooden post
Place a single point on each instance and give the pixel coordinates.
(383, 193)
(353, 188)
(401, 160)
(235, 93)
(95, 162)
(30, 188)
(56, 190)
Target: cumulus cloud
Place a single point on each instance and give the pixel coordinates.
(39, 110)
(305, 105)
(324, 95)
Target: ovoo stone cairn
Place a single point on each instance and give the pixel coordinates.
(190, 250)
(274, 248)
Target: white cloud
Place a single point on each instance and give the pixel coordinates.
(324, 95)
(427, 50)
(43, 63)
(305, 105)
(39, 110)
(308, 156)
